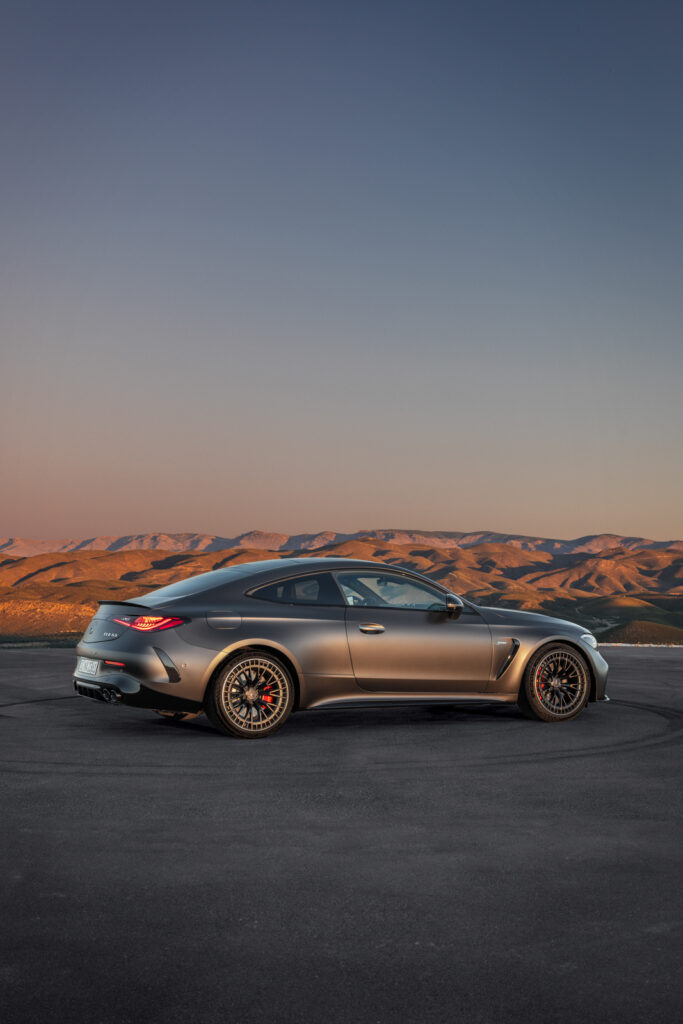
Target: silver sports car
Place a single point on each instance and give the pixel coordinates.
(251, 643)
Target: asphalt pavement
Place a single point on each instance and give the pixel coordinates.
(403, 864)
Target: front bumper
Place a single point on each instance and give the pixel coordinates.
(121, 688)
(600, 669)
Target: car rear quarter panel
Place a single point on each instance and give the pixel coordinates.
(313, 639)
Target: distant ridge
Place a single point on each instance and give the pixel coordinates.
(22, 547)
(626, 588)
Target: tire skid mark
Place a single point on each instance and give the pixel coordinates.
(669, 735)
(37, 700)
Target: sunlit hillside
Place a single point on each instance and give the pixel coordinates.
(622, 594)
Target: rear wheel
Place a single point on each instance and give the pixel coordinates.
(556, 684)
(251, 697)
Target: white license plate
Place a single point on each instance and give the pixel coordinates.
(88, 666)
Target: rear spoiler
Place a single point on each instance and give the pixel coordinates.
(135, 608)
(146, 608)
(129, 604)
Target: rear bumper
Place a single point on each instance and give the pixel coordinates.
(121, 688)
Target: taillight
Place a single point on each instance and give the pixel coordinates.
(149, 623)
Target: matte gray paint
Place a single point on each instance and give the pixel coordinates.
(420, 655)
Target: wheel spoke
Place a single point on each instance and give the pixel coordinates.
(560, 682)
(244, 689)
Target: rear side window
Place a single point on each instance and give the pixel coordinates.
(319, 588)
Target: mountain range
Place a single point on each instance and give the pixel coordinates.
(626, 589)
(281, 542)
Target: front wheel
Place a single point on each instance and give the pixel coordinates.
(251, 697)
(556, 684)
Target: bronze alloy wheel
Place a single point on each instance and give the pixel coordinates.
(556, 684)
(252, 696)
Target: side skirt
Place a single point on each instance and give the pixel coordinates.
(401, 698)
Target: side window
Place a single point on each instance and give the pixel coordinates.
(386, 590)
(319, 588)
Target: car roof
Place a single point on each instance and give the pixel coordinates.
(282, 567)
(243, 576)
(285, 568)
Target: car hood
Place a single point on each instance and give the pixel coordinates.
(513, 617)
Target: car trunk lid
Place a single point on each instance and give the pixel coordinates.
(103, 625)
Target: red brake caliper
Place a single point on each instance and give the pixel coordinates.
(265, 697)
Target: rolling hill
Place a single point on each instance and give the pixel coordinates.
(620, 592)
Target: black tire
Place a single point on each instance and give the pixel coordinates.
(251, 696)
(556, 684)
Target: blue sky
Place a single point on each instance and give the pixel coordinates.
(318, 265)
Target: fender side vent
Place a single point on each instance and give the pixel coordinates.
(514, 647)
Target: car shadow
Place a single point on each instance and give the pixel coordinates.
(396, 716)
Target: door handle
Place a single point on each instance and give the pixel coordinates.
(371, 627)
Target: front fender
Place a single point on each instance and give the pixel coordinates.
(513, 678)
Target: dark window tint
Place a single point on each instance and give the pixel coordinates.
(385, 590)
(317, 589)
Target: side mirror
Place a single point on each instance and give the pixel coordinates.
(454, 606)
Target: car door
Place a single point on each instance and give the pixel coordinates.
(401, 638)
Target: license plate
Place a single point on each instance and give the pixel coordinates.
(88, 666)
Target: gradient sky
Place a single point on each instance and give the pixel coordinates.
(301, 266)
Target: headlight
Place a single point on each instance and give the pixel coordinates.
(589, 639)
